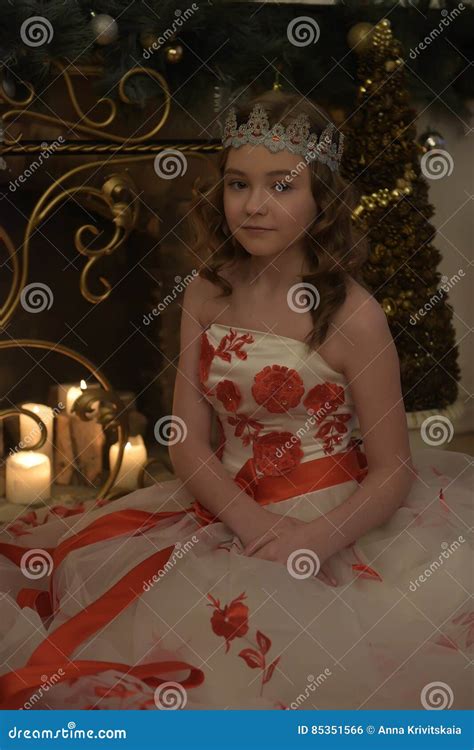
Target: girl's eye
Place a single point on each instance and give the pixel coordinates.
(280, 187)
(235, 182)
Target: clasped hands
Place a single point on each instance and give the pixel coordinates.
(285, 535)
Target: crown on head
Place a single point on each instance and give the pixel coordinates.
(296, 138)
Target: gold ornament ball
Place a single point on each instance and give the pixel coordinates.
(389, 306)
(359, 37)
(174, 54)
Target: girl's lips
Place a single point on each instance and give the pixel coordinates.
(257, 229)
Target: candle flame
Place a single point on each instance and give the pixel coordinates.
(83, 385)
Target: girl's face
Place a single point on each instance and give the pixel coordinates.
(252, 198)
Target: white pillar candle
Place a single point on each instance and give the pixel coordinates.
(30, 431)
(73, 394)
(134, 457)
(28, 478)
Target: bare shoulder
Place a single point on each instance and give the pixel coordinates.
(360, 313)
(201, 294)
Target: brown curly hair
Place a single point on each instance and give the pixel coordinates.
(332, 249)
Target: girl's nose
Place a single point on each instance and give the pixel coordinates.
(257, 202)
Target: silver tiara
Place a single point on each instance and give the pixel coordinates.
(295, 138)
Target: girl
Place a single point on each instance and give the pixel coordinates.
(292, 558)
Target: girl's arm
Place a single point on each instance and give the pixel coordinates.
(193, 459)
(373, 371)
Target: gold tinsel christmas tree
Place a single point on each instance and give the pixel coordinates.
(382, 157)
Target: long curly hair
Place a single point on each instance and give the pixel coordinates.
(333, 248)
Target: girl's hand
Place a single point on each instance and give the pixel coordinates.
(279, 543)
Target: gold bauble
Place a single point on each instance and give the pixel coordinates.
(389, 306)
(174, 54)
(359, 37)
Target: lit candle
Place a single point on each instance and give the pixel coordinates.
(28, 478)
(30, 430)
(73, 394)
(134, 457)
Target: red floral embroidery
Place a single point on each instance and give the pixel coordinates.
(244, 424)
(232, 344)
(229, 395)
(465, 629)
(277, 453)
(231, 621)
(205, 359)
(324, 399)
(332, 431)
(255, 658)
(277, 388)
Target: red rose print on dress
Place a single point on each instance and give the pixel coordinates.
(277, 453)
(255, 658)
(228, 393)
(277, 388)
(245, 428)
(231, 621)
(324, 399)
(232, 344)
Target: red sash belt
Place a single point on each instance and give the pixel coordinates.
(318, 474)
